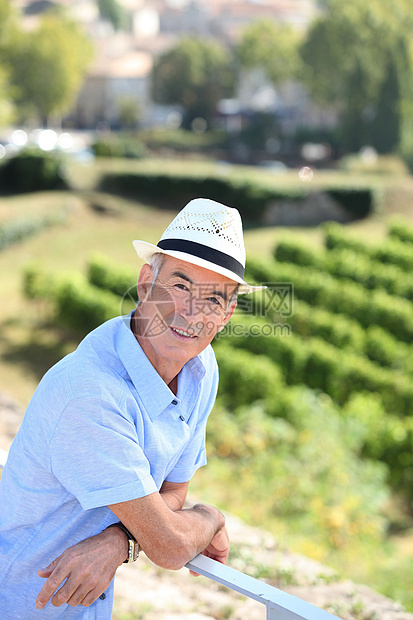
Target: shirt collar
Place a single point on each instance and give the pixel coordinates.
(195, 367)
(152, 389)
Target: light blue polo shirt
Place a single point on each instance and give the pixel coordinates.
(102, 428)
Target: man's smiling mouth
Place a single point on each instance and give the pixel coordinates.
(181, 332)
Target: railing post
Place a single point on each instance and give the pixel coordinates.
(277, 614)
(271, 613)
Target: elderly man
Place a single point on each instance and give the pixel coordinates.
(114, 432)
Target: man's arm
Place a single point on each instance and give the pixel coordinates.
(174, 494)
(89, 566)
(170, 539)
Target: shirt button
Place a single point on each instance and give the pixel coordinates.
(174, 402)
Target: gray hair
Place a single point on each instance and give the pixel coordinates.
(155, 264)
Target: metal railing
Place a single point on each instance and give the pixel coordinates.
(279, 604)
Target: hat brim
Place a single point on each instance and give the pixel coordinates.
(146, 250)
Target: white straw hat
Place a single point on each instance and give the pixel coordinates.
(208, 234)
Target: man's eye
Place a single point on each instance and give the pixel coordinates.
(214, 300)
(181, 286)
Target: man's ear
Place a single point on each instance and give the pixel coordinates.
(228, 315)
(144, 282)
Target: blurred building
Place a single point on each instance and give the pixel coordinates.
(83, 11)
(225, 19)
(117, 86)
(116, 91)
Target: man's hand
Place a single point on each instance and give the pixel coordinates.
(87, 567)
(218, 548)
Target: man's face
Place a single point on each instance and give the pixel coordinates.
(182, 311)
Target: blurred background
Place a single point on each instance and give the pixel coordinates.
(115, 113)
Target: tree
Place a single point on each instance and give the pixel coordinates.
(404, 65)
(195, 74)
(47, 66)
(271, 47)
(114, 13)
(130, 112)
(7, 110)
(386, 123)
(8, 24)
(355, 58)
(8, 30)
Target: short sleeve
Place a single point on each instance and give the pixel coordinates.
(95, 454)
(192, 459)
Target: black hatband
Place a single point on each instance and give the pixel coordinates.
(203, 251)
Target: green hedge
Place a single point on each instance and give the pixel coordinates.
(183, 140)
(250, 198)
(381, 347)
(387, 438)
(346, 333)
(245, 378)
(317, 288)
(359, 202)
(83, 307)
(174, 191)
(322, 366)
(81, 304)
(103, 273)
(31, 170)
(293, 250)
(349, 264)
(37, 283)
(337, 237)
(340, 330)
(401, 230)
(76, 303)
(118, 146)
(392, 250)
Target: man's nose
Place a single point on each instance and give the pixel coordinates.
(189, 307)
